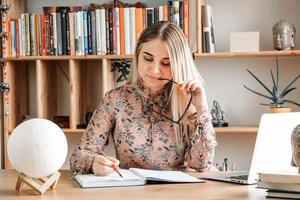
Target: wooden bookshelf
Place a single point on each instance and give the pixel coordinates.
(247, 54)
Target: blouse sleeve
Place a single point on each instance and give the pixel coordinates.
(96, 135)
(202, 142)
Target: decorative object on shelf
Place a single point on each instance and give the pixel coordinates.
(284, 34)
(244, 41)
(277, 98)
(218, 115)
(88, 117)
(295, 140)
(122, 70)
(4, 8)
(37, 148)
(62, 121)
(4, 87)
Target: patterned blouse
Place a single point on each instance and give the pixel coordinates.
(143, 138)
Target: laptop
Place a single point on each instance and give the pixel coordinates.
(272, 151)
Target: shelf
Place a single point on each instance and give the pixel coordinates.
(87, 57)
(68, 130)
(197, 55)
(248, 54)
(237, 129)
(231, 129)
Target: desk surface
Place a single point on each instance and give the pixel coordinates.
(67, 188)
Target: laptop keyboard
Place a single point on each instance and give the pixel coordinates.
(240, 177)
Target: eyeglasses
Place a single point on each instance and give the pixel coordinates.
(170, 82)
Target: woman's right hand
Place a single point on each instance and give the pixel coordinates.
(102, 166)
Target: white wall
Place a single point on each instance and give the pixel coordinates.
(225, 77)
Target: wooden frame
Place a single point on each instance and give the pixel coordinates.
(39, 185)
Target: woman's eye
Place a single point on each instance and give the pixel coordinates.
(148, 59)
(166, 64)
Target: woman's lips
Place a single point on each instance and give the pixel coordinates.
(153, 77)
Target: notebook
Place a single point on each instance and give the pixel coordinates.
(134, 177)
(272, 151)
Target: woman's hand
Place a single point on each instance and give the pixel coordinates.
(102, 166)
(199, 99)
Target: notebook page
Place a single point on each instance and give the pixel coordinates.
(167, 176)
(113, 179)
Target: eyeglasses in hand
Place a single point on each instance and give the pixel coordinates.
(185, 110)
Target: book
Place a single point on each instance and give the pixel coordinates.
(280, 194)
(134, 177)
(208, 29)
(282, 177)
(289, 187)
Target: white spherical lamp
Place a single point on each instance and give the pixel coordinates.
(37, 148)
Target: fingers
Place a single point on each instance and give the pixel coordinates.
(102, 165)
(101, 170)
(192, 85)
(114, 160)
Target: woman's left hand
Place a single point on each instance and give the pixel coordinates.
(199, 99)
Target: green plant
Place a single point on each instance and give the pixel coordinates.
(277, 98)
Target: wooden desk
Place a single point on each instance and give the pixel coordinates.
(67, 188)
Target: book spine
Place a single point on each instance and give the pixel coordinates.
(111, 42)
(27, 35)
(127, 30)
(93, 33)
(59, 34)
(85, 32)
(150, 16)
(176, 18)
(186, 18)
(122, 33)
(132, 30)
(160, 13)
(117, 19)
(208, 35)
(63, 14)
(107, 31)
(89, 32)
(103, 32)
(72, 32)
(20, 41)
(170, 4)
(68, 47)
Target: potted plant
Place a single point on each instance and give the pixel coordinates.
(276, 97)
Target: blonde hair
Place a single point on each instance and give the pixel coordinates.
(182, 67)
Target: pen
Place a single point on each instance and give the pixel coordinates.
(113, 166)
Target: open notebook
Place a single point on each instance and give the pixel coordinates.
(134, 177)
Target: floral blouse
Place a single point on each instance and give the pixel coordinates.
(143, 138)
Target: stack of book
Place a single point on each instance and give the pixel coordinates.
(281, 185)
(97, 30)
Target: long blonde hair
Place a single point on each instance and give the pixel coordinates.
(182, 67)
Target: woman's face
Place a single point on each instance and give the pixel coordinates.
(153, 63)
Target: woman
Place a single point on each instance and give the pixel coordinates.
(151, 121)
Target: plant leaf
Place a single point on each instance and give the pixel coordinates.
(292, 102)
(274, 84)
(286, 92)
(261, 83)
(270, 104)
(289, 85)
(263, 95)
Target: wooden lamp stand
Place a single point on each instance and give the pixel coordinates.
(39, 185)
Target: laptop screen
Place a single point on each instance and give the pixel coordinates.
(273, 150)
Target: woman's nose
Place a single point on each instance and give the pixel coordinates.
(155, 67)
